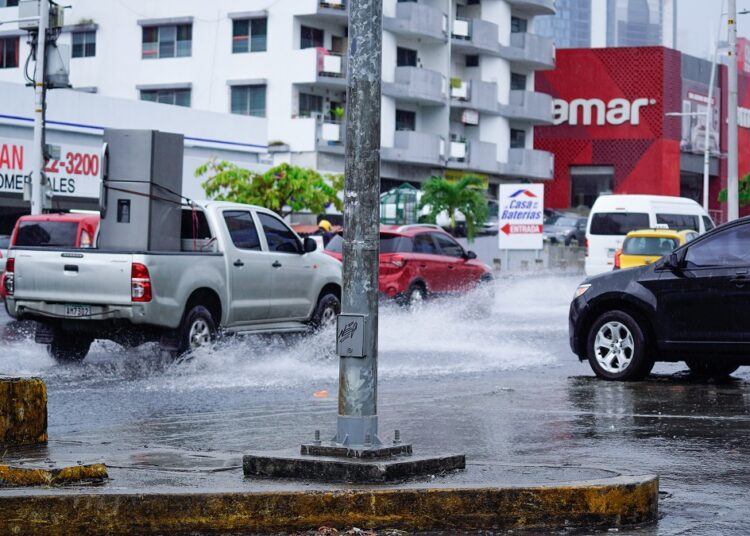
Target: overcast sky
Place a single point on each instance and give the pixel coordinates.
(697, 19)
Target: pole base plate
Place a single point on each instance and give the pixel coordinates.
(341, 451)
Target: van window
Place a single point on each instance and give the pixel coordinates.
(47, 234)
(679, 222)
(618, 223)
(707, 223)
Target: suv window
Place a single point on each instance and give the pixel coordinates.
(280, 238)
(618, 223)
(423, 244)
(727, 248)
(448, 246)
(679, 222)
(242, 229)
(47, 234)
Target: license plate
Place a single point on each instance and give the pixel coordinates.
(77, 310)
(611, 252)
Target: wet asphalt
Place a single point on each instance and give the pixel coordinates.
(503, 388)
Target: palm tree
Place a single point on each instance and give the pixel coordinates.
(464, 195)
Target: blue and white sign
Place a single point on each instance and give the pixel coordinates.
(521, 216)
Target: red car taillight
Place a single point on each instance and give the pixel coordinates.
(9, 276)
(618, 254)
(140, 283)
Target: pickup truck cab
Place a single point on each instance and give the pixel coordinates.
(240, 269)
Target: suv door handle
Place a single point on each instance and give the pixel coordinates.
(276, 264)
(239, 263)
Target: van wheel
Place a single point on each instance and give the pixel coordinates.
(197, 329)
(711, 369)
(70, 349)
(617, 348)
(326, 311)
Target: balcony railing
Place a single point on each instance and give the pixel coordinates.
(528, 106)
(529, 164)
(475, 36)
(331, 136)
(475, 94)
(416, 84)
(418, 20)
(531, 50)
(416, 148)
(534, 7)
(333, 4)
(330, 64)
(472, 155)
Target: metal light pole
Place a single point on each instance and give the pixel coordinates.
(37, 151)
(732, 147)
(357, 424)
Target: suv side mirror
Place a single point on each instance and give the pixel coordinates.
(675, 260)
(310, 245)
(471, 255)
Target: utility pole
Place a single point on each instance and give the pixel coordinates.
(357, 423)
(733, 211)
(38, 178)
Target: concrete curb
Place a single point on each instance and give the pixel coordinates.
(602, 504)
(28, 476)
(23, 411)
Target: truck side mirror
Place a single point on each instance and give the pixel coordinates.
(310, 245)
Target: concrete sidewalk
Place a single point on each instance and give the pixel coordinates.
(161, 491)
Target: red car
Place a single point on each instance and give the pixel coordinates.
(53, 230)
(417, 261)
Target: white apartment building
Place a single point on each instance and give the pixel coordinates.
(458, 75)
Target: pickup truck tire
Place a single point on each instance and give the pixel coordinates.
(69, 349)
(325, 312)
(197, 329)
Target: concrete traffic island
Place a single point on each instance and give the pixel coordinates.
(14, 476)
(23, 411)
(486, 496)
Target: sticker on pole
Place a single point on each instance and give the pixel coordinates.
(521, 221)
(350, 335)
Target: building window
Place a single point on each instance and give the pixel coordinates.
(249, 35)
(249, 100)
(518, 25)
(84, 44)
(518, 81)
(173, 41)
(406, 57)
(9, 53)
(310, 37)
(8, 3)
(472, 61)
(517, 138)
(178, 97)
(310, 104)
(406, 120)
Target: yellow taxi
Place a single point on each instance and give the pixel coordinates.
(648, 245)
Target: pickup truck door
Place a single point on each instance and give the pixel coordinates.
(249, 272)
(292, 289)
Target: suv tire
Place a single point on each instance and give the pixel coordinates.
(711, 369)
(325, 313)
(617, 348)
(197, 329)
(69, 349)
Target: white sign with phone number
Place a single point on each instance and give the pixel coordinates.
(76, 174)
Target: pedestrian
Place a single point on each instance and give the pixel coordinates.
(324, 230)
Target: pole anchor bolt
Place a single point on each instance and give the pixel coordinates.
(397, 437)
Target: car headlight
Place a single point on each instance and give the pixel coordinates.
(581, 290)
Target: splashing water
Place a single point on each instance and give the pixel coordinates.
(503, 327)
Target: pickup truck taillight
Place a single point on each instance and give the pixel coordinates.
(9, 276)
(85, 239)
(140, 283)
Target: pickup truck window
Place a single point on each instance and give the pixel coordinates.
(280, 238)
(194, 225)
(47, 233)
(242, 229)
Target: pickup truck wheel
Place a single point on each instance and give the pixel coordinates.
(198, 329)
(711, 369)
(72, 349)
(618, 348)
(326, 311)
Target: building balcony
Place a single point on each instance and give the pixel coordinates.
(418, 20)
(475, 36)
(528, 164)
(528, 106)
(320, 67)
(330, 11)
(415, 148)
(533, 8)
(533, 51)
(331, 136)
(415, 84)
(476, 95)
(473, 156)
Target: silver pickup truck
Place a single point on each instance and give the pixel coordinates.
(241, 269)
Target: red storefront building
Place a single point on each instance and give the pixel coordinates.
(612, 132)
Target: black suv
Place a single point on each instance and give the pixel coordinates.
(693, 305)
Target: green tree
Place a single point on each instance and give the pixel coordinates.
(744, 191)
(283, 189)
(464, 195)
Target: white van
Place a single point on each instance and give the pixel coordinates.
(614, 216)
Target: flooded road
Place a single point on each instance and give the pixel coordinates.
(502, 387)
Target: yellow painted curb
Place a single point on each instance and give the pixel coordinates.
(28, 476)
(23, 411)
(614, 503)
